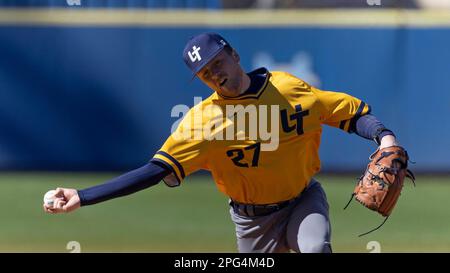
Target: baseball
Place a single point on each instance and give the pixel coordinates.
(49, 197)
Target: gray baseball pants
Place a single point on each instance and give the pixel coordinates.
(302, 226)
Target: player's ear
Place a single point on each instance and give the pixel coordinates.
(235, 55)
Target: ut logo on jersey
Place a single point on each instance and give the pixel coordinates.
(194, 55)
(297, 116)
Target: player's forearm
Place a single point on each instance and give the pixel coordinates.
(128, 183)
(369, 127)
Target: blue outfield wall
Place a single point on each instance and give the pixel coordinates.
(170, 4)
(100, 98)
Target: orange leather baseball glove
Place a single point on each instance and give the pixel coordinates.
(381, 184)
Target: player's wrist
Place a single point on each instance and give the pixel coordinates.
(388, 141)
(381, 133)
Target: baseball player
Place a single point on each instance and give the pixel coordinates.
(275, 203)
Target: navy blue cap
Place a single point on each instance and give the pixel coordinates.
(201, 49)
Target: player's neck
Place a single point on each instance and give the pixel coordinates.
(245, 83)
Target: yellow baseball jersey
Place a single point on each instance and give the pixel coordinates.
(210, 138)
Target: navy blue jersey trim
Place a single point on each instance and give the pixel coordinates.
(174, 161)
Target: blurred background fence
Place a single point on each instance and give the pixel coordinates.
(226, 4)
(89, 85)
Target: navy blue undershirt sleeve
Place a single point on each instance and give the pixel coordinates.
(369, 127)
(128, 183)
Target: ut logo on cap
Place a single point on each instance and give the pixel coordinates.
(194, 55)
(201, 49)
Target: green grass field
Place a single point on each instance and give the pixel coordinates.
(194, 217)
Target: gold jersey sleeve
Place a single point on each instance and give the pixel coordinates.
(184, 152)
(340, 109)
(337, 109)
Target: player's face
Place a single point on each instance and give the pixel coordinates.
(224, 74)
